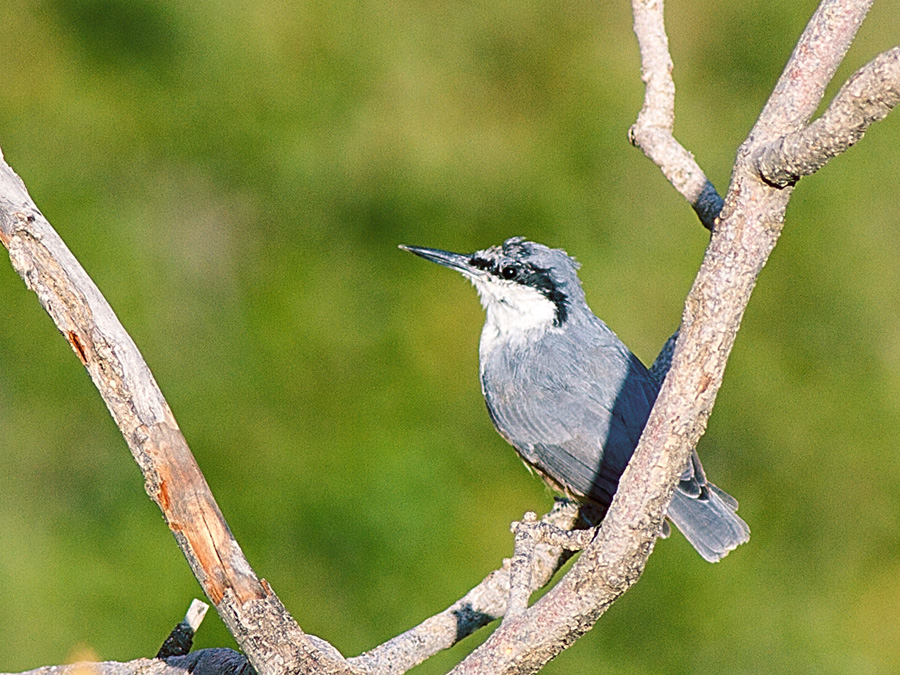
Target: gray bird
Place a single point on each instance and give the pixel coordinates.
(566, 393)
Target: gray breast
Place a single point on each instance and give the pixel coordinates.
(574, 410)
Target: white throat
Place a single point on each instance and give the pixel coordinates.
(514, 313)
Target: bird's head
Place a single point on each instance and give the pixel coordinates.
(521, 284)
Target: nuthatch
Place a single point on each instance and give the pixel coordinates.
(566, 393)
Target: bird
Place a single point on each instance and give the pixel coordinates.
(567, 393)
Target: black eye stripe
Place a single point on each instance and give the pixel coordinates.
(482, 263)
(526, 274)
(508, 271)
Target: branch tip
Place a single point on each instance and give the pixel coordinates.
(652, 132)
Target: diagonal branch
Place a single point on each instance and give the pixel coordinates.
(487, 602)
(653, 130)
(812, 64)
(255, 616)
(480, 606)
(746, 233)
(867, 97)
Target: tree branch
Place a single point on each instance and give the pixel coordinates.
(253, 613)
(487, 602)
(201, 662)
(867, 97)
(483, 604)
(819, 52)
(746, 233)
(653, 130)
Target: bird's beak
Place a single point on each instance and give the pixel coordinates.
(456, 261)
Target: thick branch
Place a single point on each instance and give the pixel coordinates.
(745, 235)
(652, 132)
(867, 97)
(258, 621)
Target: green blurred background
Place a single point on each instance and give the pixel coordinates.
(235, 176)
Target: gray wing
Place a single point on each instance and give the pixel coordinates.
(576, 415)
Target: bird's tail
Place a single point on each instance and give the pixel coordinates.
(707, 519)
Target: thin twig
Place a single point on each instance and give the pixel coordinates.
(653, 130)
(520, 567)
(531, 533)
(480, 606)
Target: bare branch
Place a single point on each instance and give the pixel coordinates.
(867, 97)
(202, 662)
(653, 130)
(530, 533)
(483, 604)
(255, 616)
(745, 234)
(819, 52)
(521, 565)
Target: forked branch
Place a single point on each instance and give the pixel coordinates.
(867, 97)
(745, 234)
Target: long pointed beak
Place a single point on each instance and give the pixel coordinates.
(456, 261)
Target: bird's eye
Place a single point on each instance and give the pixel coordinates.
(509, 272)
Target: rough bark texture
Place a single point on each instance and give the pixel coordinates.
(746, 232)
(257, 619)
(867, 97)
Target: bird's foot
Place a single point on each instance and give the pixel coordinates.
(529, 533)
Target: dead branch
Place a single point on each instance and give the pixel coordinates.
(483, 604)
(867, 97)
(746, 233)
(253, 613)
(653, 130)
